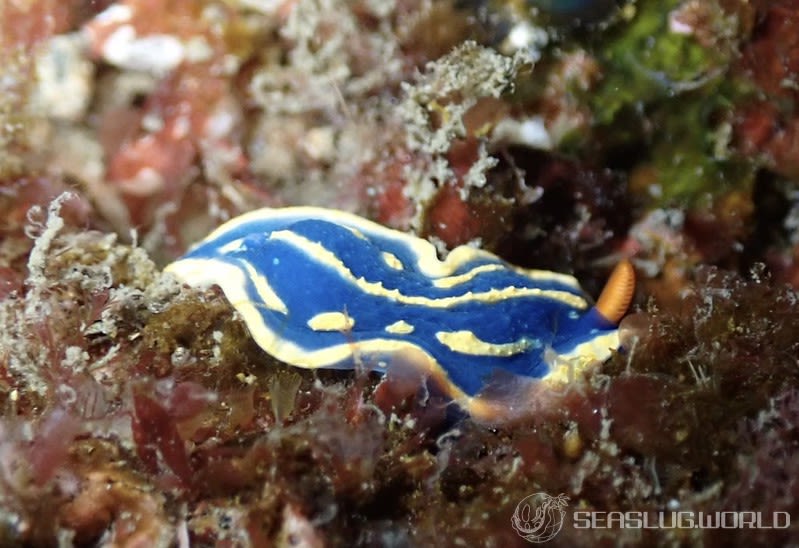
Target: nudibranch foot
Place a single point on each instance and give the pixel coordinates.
(324, 288)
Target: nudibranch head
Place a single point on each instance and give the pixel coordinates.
(324, 288)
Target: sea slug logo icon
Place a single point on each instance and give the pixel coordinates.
(539, 517)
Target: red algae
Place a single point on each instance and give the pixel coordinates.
(140, 412)
(156, 435)
(767, 127)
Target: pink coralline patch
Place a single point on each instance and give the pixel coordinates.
(383, 183)
(144, 19)
(18, 196)
(29, 22)
(449, 213)
(31, 463)
(392, 207)
(456, 216)
(191, 114)
(462, 155)
(153, 164)
(452, 219)
(298, 530)
(10, 281)
(118, 506)
(664, 255)
(559, 106)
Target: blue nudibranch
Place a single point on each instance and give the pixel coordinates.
(324, 288)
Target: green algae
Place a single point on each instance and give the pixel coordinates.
(669, 87)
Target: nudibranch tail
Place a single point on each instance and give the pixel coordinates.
(618, 293)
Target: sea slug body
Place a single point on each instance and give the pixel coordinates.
(324, 288)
